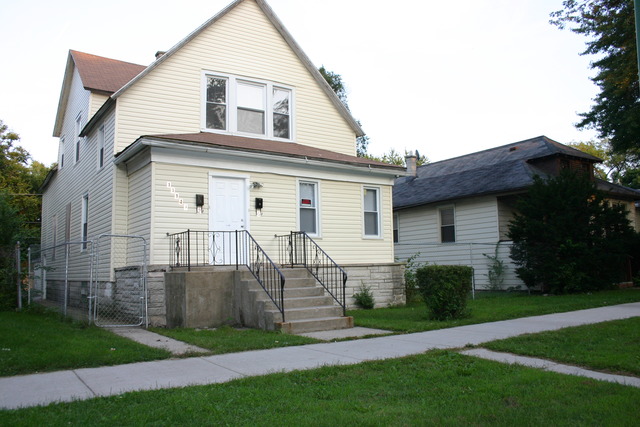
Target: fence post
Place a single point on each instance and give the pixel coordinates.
(473, 272)
(29, 276)
(18, 281)
(188, 249)
(66, 278)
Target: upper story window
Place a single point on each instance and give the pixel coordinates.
(101, 147)
(61, 161)
(447, 225)
(247, 107)
(78, 137)
(396, 230)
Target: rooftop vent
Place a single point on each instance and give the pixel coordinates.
(513, 148)
(160, 53)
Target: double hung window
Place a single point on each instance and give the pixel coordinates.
(308, 207)
(447, 225)
(101, 147)
(78, 137)
(371, 198)
(247, 107)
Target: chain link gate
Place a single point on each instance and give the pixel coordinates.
(118, 290)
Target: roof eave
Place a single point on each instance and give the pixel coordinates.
(150, 141)
(64, 95)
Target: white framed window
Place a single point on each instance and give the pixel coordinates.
(447, 217)
(100, 147)
(54, 232)
(85, 221)
(61, 159)
(308, 212)
(371, 211)
(78, 137)
(247, 107)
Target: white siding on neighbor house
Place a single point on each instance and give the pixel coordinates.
(242, 43)
(340, 204)
(476, 231)
(76, 179)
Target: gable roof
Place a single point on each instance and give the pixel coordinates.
(205, 140)
(502, 169)
(275, 21)
(104, 74)
(97, 73)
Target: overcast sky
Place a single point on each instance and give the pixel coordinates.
(446, 78)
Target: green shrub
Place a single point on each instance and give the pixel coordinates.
(444, 289)
(412, 293)
(364, 297)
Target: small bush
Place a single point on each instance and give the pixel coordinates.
(364, 297)
(444, 289)
(412, 293)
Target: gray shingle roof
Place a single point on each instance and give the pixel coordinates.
(502, 169)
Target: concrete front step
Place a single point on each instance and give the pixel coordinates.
(307, 312)
(302, 301)
(314, 325)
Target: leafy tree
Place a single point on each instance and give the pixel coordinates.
(20, 179)
(394, 158)
(336, 83)
(616, 167)
(609, 27)
(567, 238)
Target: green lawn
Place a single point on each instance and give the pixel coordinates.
(231, 340)
(436, 388)
(610, 346)
(489, 307)
(36, 341)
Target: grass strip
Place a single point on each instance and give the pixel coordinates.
(436, 388)
(612, 347)
(489, 307)
(37, 341)
(231, 340)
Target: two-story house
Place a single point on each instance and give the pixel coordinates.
(457, 211)
(233, 128)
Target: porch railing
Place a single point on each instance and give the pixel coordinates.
(298, 249)
(235, 248)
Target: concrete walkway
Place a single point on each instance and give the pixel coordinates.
(40, 389)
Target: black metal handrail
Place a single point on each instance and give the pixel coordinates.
(205, 248)
(297, 248)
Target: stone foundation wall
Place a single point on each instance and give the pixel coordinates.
(385, 281)
(156, 306)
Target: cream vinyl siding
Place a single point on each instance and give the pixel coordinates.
(75, 180)
(242, 43)
(139, 219)
(95, 102)
(340, 212)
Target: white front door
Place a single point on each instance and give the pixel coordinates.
(227, 213)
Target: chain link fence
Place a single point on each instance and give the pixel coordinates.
(101, 281)
(492, 266)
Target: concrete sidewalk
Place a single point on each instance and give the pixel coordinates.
(41, 389)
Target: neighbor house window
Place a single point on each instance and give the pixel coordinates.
(78, 137)
(447, 225)
(308, 207)
(396, 232)
(247, 107)
(371, 204)
(101, 147)
(85, 220)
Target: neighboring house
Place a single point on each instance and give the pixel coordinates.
(233, 128)
(457, 210)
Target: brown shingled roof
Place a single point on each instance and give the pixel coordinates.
(104, 74)
(289, 149)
